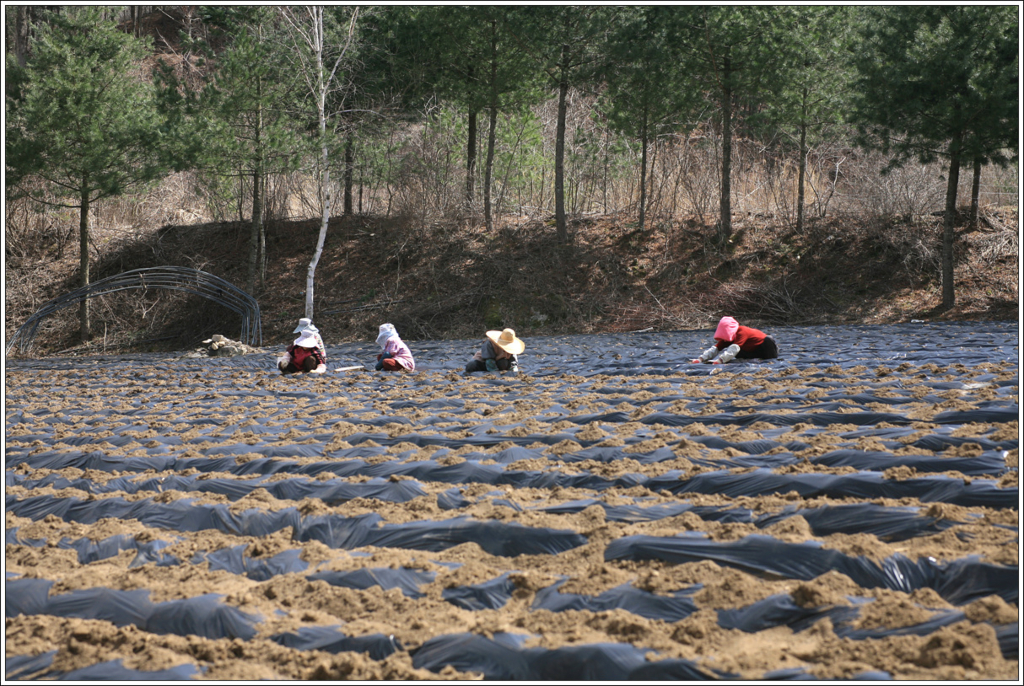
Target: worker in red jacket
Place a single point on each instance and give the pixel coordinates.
(303, 356)
(738, 342)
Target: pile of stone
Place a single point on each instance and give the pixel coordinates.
(222, 346)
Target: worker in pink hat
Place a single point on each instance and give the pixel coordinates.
(733, 341)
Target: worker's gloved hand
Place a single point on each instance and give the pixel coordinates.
(491, 365)
(698, 361)
(707, 354)
(717, 362)
(513, 367)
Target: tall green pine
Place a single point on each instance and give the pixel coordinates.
(940, 82)
(733, 53)
(243, 115)
(567, 42)
(647, 94)
(83, 122)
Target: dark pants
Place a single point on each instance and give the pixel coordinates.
(481, 366)
(766, 351)
(308, 365)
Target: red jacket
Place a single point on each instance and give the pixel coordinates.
(299, 354)
(746, 338)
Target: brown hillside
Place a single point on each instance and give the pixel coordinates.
(447, 281)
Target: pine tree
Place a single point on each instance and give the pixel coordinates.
(940, 82)
(242, 116)
(567, 42)
(84, 120)
(647, 94)
(810, 92)
(732, 53)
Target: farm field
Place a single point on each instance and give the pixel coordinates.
(848, 510)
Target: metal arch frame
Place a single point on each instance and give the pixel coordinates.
(167, 277)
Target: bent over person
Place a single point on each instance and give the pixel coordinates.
(733, 341)
(500, 352)
(303, 356)
(395, 355)
(306, 324)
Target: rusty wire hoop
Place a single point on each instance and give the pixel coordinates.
(167, 277)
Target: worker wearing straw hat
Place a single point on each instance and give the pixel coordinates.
(500, 352)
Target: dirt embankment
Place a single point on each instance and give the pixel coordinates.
(443, 281)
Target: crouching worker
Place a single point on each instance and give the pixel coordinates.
(738, 342)
(499, 352)
(306, 324)
(395, 355)
(303, 356)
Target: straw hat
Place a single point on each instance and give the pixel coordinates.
(306, 340)
(507, 341)
(305, 323)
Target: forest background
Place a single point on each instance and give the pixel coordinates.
(554, 169)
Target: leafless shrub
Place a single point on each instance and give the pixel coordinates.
(780, 178)
(826, 165)
(585, 153)
(288, 197)
(430, 179)
(218, 195)
(915, 252)
(172, 201)
(31, 229)
(993, 246)
(685, 315)
(905, 193)
(698, 173)
(999, 186)
(276, 198)
(770, 302)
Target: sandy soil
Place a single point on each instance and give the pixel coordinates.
(241, 441)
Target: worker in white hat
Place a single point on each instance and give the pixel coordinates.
(306, 324)
(395, 355)
(303, 356)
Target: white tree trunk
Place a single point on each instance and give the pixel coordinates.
(311, 37)
(326, 214)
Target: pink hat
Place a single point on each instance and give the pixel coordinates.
(727, 328)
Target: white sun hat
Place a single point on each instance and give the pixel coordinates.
(386, 332)
(305, 323)
(306, 339)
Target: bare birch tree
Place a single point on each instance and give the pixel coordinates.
(307, 30)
